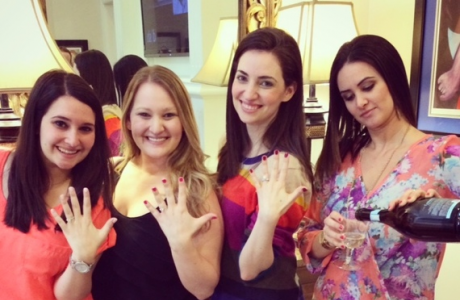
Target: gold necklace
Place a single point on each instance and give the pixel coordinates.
(387, 162)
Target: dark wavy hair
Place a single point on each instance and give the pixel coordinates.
(287, 130)
(95, 68)
(124, 70)
(344, 134)
(28, 180)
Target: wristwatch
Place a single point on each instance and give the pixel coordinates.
(325, 243)
(80, 266)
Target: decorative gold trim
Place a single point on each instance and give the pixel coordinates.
(254, 14)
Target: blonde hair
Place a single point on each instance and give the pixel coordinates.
(187, 160)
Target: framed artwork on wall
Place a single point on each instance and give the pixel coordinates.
(76, 46)
(434, 94)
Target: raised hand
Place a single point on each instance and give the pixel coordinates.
(81, 234)
(173, 216)
(274, 201)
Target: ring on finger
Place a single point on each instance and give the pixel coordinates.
(160, 209)
(265, 178)
(69, 219)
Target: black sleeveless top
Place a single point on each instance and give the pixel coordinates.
(140, 265)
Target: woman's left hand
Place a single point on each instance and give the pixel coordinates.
(274, 201)
(412, 195)
(81, 234)
(173, 216)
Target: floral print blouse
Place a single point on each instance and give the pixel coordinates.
(391, 266)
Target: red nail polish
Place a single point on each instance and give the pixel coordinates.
(213, 218)
(154, 189)
(145, 202)
(286, 154)
(251, 171)
(181, 179)
(264, 158)
(340, 227)
(343, 247)
(163, 180)
(340, 219)
(277, 152)
(304, 190)
(342, 237)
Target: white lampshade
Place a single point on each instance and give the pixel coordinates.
(27, 49)
(216, 69)
(320, 28)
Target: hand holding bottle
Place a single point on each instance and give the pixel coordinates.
(428, 219)
(412, 195)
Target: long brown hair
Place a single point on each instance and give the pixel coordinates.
(187, 160)
(287, 131)
(28, 180)
(344, 134)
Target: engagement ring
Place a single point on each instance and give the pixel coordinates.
(70, 219)
(265, 178)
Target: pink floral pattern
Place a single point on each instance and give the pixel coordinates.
(393, 267)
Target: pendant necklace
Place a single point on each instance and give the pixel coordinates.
(386, 163)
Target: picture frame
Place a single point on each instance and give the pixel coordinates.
(76, 46)
(423, 81)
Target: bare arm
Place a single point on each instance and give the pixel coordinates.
(257, 254)
(201, 255)
(73, 285)
(84, 239)
(196, 252)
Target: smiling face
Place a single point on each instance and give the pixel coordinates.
(258, 88)
(154, 122)
(67, 133)
(366, 95)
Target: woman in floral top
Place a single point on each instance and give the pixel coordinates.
(372, 154)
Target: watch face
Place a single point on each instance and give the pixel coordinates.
(81, 267)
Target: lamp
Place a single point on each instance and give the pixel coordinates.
(27, 52)
(216, 69)
(320, 28)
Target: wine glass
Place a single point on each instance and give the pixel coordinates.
(354, 239)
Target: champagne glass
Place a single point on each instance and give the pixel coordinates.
(354, 239)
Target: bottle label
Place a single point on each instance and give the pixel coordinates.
(440, 207)
(375, 215)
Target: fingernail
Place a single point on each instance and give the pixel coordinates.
(304, 190)
(264, 158)
(340, 219)
(340, 227)
(251, 171)
(154, 189)
(181, 179)
(163, 180)
(343, 246)
(409, 198)
(342, 237)
(213, 218)
(277, 152)
(145, 202)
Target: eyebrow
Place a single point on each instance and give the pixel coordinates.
(359, 83)
(68, 120)
(260, 77)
